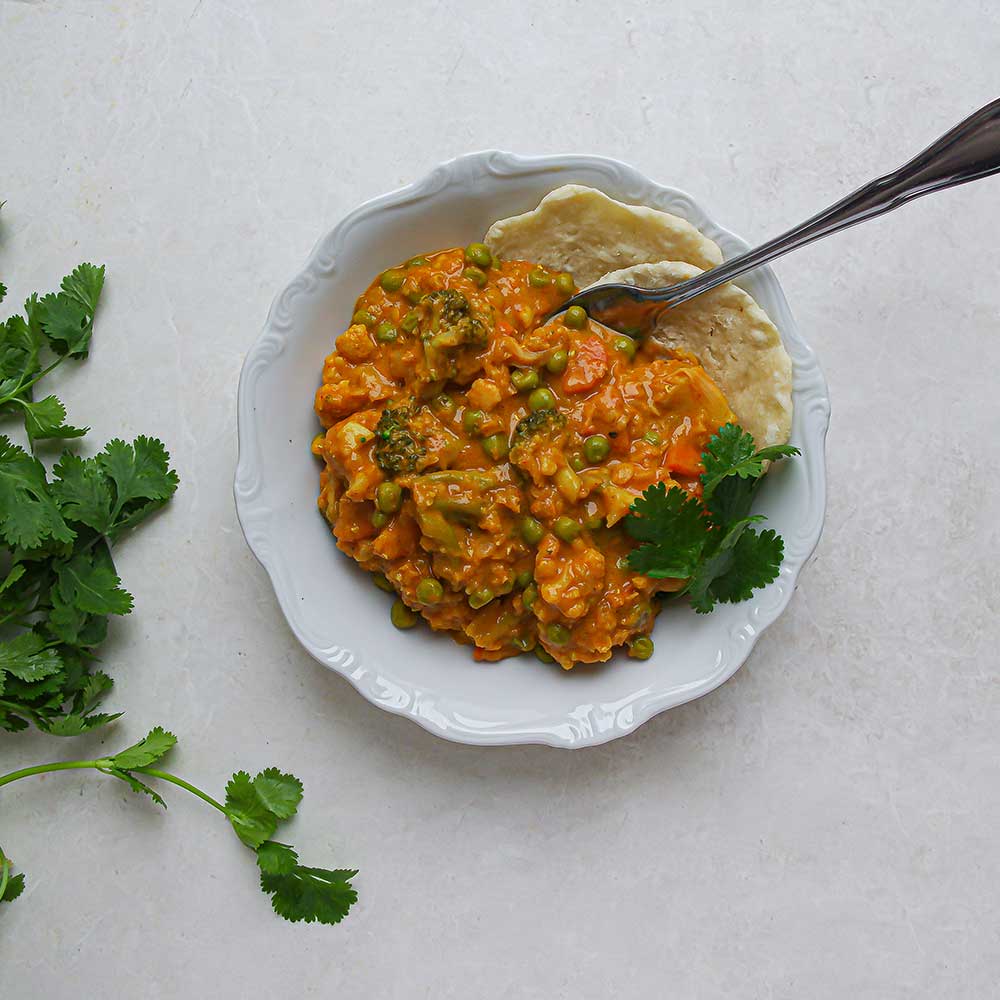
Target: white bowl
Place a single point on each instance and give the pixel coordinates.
(331, 605)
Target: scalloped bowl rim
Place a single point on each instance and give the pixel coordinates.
(584, 724)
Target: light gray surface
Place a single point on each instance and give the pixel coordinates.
(822, 826)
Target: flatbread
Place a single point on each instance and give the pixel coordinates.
(583, 231)
(737, 345)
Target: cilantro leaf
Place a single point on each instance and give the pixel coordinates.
(20, 342)
(136, 785)
(300, 893)
(140, 471)
(67, 317)
(716, 563)
(84, 285)
(673, 524)
(13, 889)
(28, 657)
(3, 291)
(709, 541)
(46, 419)
(28, 515)
(252, 820)
(75, 724)
(11, 886)
(65, 323)
(92, 693)
(280, 793)
(83, 492)
(88, 582)
(731, 452)
(276, 859)
(755, 563)
(15, 574)
(147, 751)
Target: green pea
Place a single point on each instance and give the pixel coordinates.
(544, 655)
(379, 520)
(577, 463)
(496, 446)
(479, 254)
(529, 596)
(524, 379)
(443, 404)
(385, 332)
(475, 275)
(429, 590)
(522, 579)
(557, 363)
(593, 522)
(525, 643)
(538, 278)
(532, 531)
(565, 528)
(392, 280)
(651, 437)
(480, 598)
(388, 497)
(416, 262)
(472, 419)
(541, 399)
(596, 448)
(401, 616)
(557, 634)
(641, 648)
(364, 317)
(318, 441)
(382, 582)
(575, 318)
(626, 346)
(410, 321)
(565, 285)
(414, 294)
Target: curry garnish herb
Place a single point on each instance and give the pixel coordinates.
(254, 807)
(709, 541)
(56, 534)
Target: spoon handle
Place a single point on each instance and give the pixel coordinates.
(968, 151)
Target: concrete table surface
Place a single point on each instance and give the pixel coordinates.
(825, 824)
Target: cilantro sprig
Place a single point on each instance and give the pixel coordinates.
(60, 585)
(709, 541)
(255, 807)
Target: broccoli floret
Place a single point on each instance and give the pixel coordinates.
(450, 325)
(451, 320)
(397, 449)
(536, 436)
(539, 422)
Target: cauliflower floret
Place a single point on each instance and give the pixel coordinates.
(570, 577)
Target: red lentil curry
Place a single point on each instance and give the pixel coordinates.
(480, 463)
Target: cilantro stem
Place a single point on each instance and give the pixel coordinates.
(4, 872)
(22, 386)
(65, 765)
(100, 765)
(21, 709)
(154, 772)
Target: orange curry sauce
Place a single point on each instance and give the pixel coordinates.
(484, 463)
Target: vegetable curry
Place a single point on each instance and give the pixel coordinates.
(480, 461)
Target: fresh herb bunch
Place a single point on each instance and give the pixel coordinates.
(58, 584)
(709, 541)
(254, 806)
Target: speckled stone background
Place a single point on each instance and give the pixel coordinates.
(824, 825)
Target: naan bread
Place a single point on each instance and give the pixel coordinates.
(583, 231)
(737, 344)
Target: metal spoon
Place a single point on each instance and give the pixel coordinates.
(969, 151)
